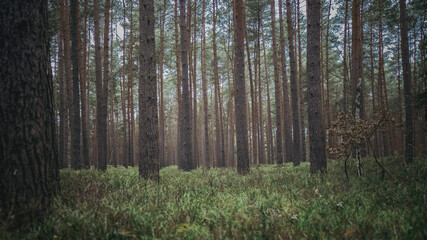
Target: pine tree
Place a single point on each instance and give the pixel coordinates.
(240, 89)
(28, 156)
(315, 113)
(148, 118)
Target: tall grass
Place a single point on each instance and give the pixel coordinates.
(272, 202)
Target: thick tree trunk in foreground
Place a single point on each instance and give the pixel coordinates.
(240, 89)
(28, 157)
(148, 116)
(315, 115)
(406, 67)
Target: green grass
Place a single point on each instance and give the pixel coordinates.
(272, 202)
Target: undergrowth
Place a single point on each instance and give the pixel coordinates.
(272, 202)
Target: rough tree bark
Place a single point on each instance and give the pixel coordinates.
(240, 89)
(28, 157)
(315, 114)
(185, 158)
(148, 115)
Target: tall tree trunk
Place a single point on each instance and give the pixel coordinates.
(300, 81)
(125, 157)
(63, 112)
(327, 107)
(409, 140)
(148, 118)
(111, 126)
(83, 81)
(277, 93)
(316, 127)
(28, 156)
(254, 136)
(399, 138)
(261, 146)
(240, 89)
(286, 119)
(190, 72)
(131, 111)
(75, 107)
(179, 79)
(162, 104)
(103, 100)
(345, 66)
(100, 146)
(297, 151)
(185, 158)
(269, 131)
(194, 78)
(374, 107)
(219, 149)
(204, 89)
(356, 73)
(231, 116)
(381, 80)
(68, 80)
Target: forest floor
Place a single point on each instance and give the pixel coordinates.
(272, 202)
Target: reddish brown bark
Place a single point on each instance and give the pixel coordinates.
(240, 89)
(297, 151)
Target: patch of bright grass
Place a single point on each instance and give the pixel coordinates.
(272, 202)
